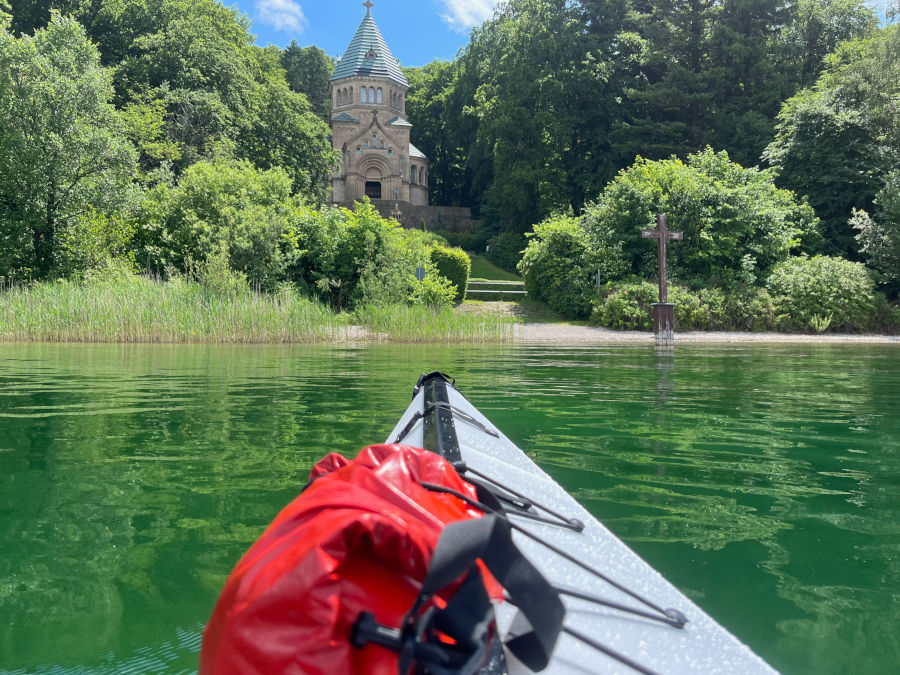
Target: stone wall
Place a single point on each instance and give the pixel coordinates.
(453, 218)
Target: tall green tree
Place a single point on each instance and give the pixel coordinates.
(308, 71)
(544, 93)
(878, 235)
(715, 72)
(436, 131)
(837, 141)
(279, 130)
(63, 154)
(817, 27)
(29, 15)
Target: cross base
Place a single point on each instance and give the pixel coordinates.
(664, 323)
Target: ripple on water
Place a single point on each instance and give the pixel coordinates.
(763, 481)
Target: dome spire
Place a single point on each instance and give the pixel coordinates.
(368, 54)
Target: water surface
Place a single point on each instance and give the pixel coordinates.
(764, 481)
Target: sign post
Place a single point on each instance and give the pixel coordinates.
(663, 311)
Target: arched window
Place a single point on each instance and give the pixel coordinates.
(374, 141)
(337, 98)
(378, 95)
(362, 95)
(358, 150)
(350, 98)
(371, 94)
(412, 175)
(422, 176)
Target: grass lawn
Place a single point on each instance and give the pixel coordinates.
(524, 310)
(484, 269)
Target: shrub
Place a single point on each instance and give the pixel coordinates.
(627, 306)
(823, 292)
(736, 223)
(455, 265)
(217, 278)
(93, 241)
(216, 206)
(506, 250)
(348, 258)
(750, 310)
(559, 266)
(435, 290)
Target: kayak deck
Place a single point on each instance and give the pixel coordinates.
(442, 420)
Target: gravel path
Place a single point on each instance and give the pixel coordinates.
(560, 333)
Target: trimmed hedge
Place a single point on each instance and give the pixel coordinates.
(454, 264)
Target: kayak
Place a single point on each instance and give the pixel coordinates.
(621, 615)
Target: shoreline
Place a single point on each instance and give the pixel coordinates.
(557, 333)
(560, 334)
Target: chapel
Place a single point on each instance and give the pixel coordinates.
(369, 126)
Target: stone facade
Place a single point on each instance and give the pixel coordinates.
(370, 128)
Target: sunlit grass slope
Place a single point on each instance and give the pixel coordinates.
(482, 268)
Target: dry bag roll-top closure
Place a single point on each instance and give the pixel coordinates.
(371, 570)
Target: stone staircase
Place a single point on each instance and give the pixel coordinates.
(496, 290)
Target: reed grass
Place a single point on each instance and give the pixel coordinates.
(138, 309)
(142, 310)
(401, 323)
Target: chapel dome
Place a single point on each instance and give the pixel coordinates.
(368, 55)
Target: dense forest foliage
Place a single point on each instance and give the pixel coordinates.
(157, 133)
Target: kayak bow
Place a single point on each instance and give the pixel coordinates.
(621, 614)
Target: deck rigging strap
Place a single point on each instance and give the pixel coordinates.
(468, 616)
(439, 435)
(671, 617)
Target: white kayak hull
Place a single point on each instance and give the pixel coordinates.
(701, 646)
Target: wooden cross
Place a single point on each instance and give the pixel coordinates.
(663, 235)
(368, 4)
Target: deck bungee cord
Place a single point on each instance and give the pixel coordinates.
(492, 494)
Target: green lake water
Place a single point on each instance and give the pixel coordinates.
(764, 481)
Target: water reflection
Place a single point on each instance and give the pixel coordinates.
(763, 481)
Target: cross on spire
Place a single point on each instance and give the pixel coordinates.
(368, 4)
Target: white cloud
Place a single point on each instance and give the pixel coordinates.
(463, 14)
(285, 15)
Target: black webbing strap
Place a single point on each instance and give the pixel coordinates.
(489, 539)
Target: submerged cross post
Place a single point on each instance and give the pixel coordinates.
(663, 311)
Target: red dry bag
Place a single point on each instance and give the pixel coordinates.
(371, 570)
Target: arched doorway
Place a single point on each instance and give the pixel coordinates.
(373, 182)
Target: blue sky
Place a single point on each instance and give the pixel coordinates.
(417, 32)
